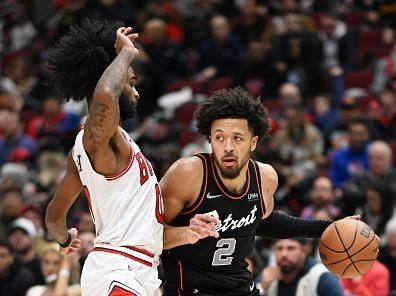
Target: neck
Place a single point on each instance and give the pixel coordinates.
(236, 185)
(28, 256)
(290, 277)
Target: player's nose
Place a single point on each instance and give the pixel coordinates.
(229, 146)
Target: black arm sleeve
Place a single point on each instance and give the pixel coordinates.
(280, 225)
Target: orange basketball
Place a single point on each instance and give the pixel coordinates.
(348, 248)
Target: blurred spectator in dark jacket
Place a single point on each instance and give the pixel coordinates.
(162, 57)
(386, 120)
(387, 254)
(22, 235)
(380, 169)
(322, 201)
(325, 116)
(15, 278)
(298, 51)
(252, 22)
(377, 208)
(337, 43)
(221, 55)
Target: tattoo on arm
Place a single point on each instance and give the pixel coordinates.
(114, 76)
(98, 116)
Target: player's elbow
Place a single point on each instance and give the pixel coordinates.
(50, 217)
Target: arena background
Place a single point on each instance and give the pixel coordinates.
(326, 70)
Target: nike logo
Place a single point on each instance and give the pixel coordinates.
(251, 287)
(209, 196)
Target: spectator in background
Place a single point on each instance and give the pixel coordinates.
(322, 201)
(15, 145)
(380, 163)
(325, 116)
(386, 120)
(252, 22)
(298, 143)
(221, 55)
(22, 235)
(387, 254)
(377, 209)
(87, 243)
(336, 44)
(374, 282)
(11, 204)
(15, 278)
(295, 270)
(163, 57)
(353, 159)
(54, 129)
(298, 52)
(60, 275)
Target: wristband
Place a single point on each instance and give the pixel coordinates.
(67, 242)
(64, 272)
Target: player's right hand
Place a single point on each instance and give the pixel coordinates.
(75, 243)
(124, 38)
(202, 226)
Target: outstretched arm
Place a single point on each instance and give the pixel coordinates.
(65, 195)
(104, 114)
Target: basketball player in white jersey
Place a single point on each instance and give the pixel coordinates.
(92, 61)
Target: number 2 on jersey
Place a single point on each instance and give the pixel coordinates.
(223, 256)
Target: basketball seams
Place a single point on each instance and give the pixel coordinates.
(361, 260)
(346, 251)
(357, 252)
(354, 238)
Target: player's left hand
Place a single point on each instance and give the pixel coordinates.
(75, 243)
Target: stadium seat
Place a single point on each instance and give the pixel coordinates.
(179, 84)
(219, 83)
(360, 79)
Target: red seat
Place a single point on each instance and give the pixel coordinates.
(365, 54)
(360, 79)
(354, 18)
(273, 104)
(185, 113)
(372, 38)
(179, 84)
(219, 83)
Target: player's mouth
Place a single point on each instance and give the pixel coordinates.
(229, 161)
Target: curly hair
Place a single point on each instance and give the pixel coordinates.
(81, 56)
(233, 103)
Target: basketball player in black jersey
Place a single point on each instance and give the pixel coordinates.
(215, 204)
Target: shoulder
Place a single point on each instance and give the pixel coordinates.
(328, 282)
(187, 169)
(268, 173)
(186, 166)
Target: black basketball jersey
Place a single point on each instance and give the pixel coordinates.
(217, 264)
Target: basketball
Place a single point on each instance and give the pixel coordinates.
(348, 248)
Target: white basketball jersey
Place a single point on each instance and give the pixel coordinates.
(126, 208)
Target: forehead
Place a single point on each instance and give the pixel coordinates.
(286, 243)
(231, 125)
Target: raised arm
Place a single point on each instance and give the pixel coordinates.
(65, 195)
(104, 113)
(180, 187)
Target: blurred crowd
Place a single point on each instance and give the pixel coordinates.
(326, 70)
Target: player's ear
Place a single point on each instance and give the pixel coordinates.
(209, 139)
(253, 145)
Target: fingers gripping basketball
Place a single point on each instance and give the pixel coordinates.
(348, 248)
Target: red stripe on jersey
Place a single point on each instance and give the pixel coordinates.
(118, 291)
(180, 277)
(88, 197)
(256, 168)
(116, 176)
(123, 254)
(140, 250)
